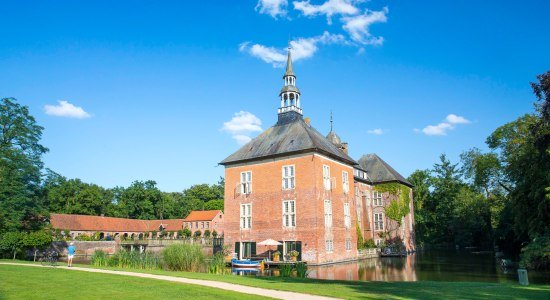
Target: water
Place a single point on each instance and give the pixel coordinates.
(422, 266)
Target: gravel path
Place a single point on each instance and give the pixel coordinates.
(215, 284)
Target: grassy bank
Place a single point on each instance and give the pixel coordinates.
(19, 282)
(375, 290)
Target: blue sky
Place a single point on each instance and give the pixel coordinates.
(161, 90)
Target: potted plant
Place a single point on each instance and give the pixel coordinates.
(293, 254)
(276, 255)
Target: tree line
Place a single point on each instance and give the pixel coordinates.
(500, 197)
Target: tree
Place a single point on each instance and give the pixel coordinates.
(207, 233)
(37, 240)
(76, 197)
(20, 168)
(12, 242)
(141, 200)
(421, 180)
(186, 232)
(197, 233)
(214, 205)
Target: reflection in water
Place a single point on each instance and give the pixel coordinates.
(425, 266)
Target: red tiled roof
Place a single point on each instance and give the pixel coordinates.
(94, 223)
(202, 215)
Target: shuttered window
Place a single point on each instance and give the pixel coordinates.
(289, 213)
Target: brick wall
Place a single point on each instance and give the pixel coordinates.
(267, 196)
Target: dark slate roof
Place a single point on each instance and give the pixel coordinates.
(289, 136)
(379, 171)
(289, 88)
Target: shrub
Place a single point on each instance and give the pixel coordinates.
(369, 244)
(301, 270)
(214, 233)
(186, 232)
(183, 257)
(360, 244)
(153, 234)
(197, 233)
(207, 233)
(99, 258)
(536, 255)
(286, 270)
(217, 264)
(133, 259)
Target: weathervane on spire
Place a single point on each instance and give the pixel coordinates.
(331, 121)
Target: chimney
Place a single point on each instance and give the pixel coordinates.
(307, 120)
(345, 147)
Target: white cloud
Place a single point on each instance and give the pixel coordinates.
(377, 131)
(329, 8)
(273, 8)
(454, 119)
(66, 109)
(358, 26)
(301, 48)
(241, 126)
(444, 127)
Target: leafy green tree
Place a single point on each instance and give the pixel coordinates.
(76, 197)
(186, 232)
(214, 205)
(37, 240)
(12, 242)
(207, 233)
(197, 233)
(20, 168)
(421, 180)
(141, 200)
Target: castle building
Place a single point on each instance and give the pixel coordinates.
(294, 185)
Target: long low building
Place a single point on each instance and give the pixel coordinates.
(131, 228)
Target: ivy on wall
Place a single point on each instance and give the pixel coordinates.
(398, 208)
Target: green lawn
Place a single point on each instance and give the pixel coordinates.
(376, 290)
(19, 282)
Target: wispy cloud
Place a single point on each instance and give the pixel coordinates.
(274, 8)
(377, 131)
(329, 8)
(444, 127)
(241, 126)
(358, 26)
(301, 48)
(66, 109)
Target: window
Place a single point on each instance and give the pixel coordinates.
(328, 213)
(289, 213)
(348, 244)
(378, 242)
(329, 245)
(347, 216)
(345, 182)
(326, 177)
(288, 177)
(246, 182)
(246, 216)
(378, 221)
(376, 198)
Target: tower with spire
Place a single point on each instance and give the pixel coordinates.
(289, 94)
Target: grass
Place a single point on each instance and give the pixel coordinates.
(19, 282)
(374, 290)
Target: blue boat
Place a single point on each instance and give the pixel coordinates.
(245, 263)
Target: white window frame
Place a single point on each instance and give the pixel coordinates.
(347, 215)
(246, 182)
(378, 220)
(348, 244)
(377, 198)
(328, 213)
(329, 246)
(289, 177)
(289, 214)
(246, 216)
(326, 177)
(345, 182)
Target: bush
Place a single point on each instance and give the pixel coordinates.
(11, 242)
(99, 258)
(183, 257)
(197, 233)
(286, 270)
(301, 270)
(207, 233)
(536, 255)
(133, 259)
(214, 233)
(217, 264)
(369, 244)
(186, 232)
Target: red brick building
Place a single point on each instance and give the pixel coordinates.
(211, 220)
(294, 185)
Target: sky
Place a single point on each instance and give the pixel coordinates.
(165, 90)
